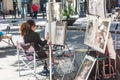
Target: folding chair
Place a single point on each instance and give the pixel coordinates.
(27, 56)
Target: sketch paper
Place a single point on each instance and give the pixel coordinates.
(96, 7)
(101, 35)
(92, 6)
(90, 31)
(53, 30)
(65, 66)
(101, 8)
(85, 68)
(110, 46)
(58, 32)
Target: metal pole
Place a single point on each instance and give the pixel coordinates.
(50, 48)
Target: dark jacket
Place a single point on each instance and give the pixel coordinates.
(35, 38)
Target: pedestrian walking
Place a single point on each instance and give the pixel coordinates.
(35, 11)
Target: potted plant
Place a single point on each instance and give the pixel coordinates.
(66, 13)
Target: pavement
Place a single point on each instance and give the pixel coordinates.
(8, 55)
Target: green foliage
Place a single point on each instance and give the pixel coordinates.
(68, 11)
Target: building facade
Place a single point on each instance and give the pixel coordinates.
(7, 5)
(17, 5)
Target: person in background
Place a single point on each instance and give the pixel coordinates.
(27, 30)
(1, 33)
(35, 10)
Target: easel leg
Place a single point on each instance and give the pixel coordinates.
(97, 67)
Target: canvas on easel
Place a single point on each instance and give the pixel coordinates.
(111, 48)
(58, 32)
(101, 34)
(85, 68)
(90, 31)
(96, 7)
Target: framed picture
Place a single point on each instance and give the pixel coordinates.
(96, 7)
(85, 68)
(101, 34)
(90, 31)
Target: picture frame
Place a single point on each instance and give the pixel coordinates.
(85, 68)
(101, 34)
(90, 31)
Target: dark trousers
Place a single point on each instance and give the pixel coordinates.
(35, 15)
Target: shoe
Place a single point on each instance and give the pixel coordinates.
(45, 72)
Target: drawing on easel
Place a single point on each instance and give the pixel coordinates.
(96, 7)
(110, 46)
(90, 31)
(101, 35)
(85, 68)
(58, 32)
(101, 8)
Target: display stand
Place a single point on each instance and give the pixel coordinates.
(108, 70)
(107, 63)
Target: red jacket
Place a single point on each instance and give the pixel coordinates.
(35, 8)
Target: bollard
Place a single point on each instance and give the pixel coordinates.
(3, 15)
(7, 29)
(43, 14)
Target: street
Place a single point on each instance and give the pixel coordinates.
(74, 40)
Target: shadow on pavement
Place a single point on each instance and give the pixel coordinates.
(7, 51)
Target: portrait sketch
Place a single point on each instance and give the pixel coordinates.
(58, 32)
(111, 47)
(92, 6)
(85, 68)
(53, 30)
(90, 31)
(101, 35)
(96, 7)
(101, 8)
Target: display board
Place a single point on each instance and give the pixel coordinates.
(58, 32)
(96, 34)
(85, 68)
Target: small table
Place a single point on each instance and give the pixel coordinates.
(9, 37)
